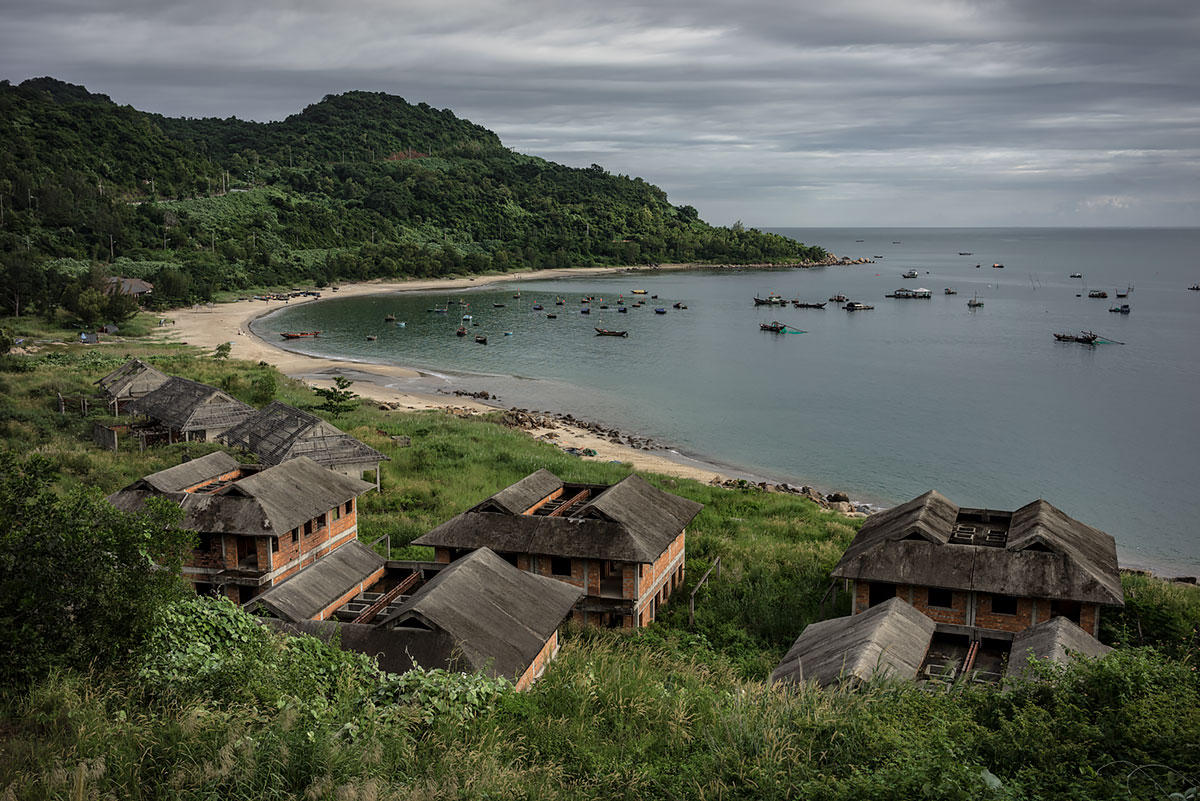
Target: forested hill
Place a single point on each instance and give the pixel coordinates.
(359, 185)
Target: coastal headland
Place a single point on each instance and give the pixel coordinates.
(404, 388)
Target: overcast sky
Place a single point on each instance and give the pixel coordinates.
(834, 113)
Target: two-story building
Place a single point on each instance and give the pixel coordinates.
(987, 580)
(621, 544)
(256, 525)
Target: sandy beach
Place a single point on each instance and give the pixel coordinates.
(400, 387)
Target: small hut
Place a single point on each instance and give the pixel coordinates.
(128, 382)
(183, 409)
(280, 432)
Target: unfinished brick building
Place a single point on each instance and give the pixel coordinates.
(257, 525)
(622, 544)
(180, 409)
(984, 578)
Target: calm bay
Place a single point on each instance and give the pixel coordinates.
(982, 405)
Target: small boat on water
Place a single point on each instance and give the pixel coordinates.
(371, 337)
(904, 293)
(771, 300)
(604, 332)
(585, 310)
(1124, 294)
(438, 310)
(964, 253)
(1076, 275)
(467, 317)
(679, 306)
(997, 266)
(1194, 287)
(1097, 293)
(551, 316)
(660, 310)
(559, 301)
(909, 273)
(391, 318)
(518, 295)
(537, 307)
(774, 327)
(857, 307)
(839, 299)
(638, 292)
(1122, 309)
(801, 305)
(497, 305)
(480, 339)
(299, 334)
(1083, 337)
(461, 331)
(975, 302)
(622, 310)
(950, 291)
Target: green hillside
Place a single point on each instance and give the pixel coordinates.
(360, 185)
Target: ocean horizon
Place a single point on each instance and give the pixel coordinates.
(982, 405)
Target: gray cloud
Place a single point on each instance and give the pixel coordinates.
(864, 112)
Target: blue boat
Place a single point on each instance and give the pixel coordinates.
(660, 310)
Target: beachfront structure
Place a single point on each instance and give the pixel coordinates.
(279, 432)
(130, 381)
(995, 585)
(621, 544)
(478, 614)
(129, 286)
(256, 525)
(181, 409)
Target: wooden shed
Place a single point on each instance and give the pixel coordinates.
(188, 410)
(128, 382)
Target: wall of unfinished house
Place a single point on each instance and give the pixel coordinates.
(361, 587)
(658, 580)
(538, 666)
(975, 609)
(298, 550)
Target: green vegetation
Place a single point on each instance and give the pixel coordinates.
(361, 185)
(195, 700)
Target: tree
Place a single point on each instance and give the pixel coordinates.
(80, 581)
(222, 350)
(338, 398)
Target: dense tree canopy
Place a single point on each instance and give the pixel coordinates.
(359, 185)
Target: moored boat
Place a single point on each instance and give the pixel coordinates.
(1083, 338)
(997, 266)
(461, 331)
(660, 310)
(604, 332)
(775, 327)
(975, 302)
(839, 298)
(391, 318)
(551, 316)
(371, 337)
(857, 307)
(950, 291)
(771, 300)
(481, 339)
(909, 273)
(638, 292)
(299, 334)
(1097, 293)
(537, 307)
(800, 305)
(1076, 275)
(1122, 309)
(1195, 287)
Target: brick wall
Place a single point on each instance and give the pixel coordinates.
(346, 597)
(1089, 619)
(955, 613)
(658, 580)
(987, 619)
(538, 666)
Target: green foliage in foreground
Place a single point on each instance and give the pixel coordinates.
(208, 704)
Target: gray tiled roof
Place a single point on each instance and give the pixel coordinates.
(187, 405)
(279, 432)
(303, 595)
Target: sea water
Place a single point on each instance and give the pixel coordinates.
(982, 405)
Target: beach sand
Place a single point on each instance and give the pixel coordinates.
(210, 325)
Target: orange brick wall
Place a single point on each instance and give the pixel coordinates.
(656, 580)
(1089, 619)
(539, 664)
(987, 619)
(956, 613)
(362, 586)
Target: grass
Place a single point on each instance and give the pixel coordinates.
(673, 711)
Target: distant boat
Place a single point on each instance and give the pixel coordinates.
(638, 292)
(391, 318)
(517, 295)
(401, 324)
(1194, 287)
(905, 293)
(467, 317)
(480, 339)
(622, 310)
(857, 307)
(371, 337)
(660, 310)
(299, 334)
(1124, 294)
(604, 332)
(679, 306)
(1077, 275)
(909, 274)
(1122, 309)
(559, 301)
(838, 299)
(964, 253)
(774, 327)
(1097, 293)
(950, 290)
(1083, 337)
(799, 305)
(997, 266)
(585, 310)
(537, 307)
(461, 331)
(497, 305)
(895, 241)
(975, 302)
(771, 300)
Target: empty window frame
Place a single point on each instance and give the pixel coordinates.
(560, 565)
(943, 599)
(1004, 605)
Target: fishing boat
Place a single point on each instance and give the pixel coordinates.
(440, 309)
(551, 316)
(1083, 337)
(1097, 293)
(660, 310)
(904, 293)
(480, 339)
(467, 317)
(299, 334)
(839, 299)
(909, 273)
(1124, 294)
(1122, 309)
(371, 337)
(950, 291)
(774, 327)
(1076, 275)
(585, 310)
(461, 331)
(604, 332)
(857, 307)
(559, 301)
(622, 310)
(537, 307)
(1195, 287)
(679, 306)
(771, 300)
(638, 292)
(964, 253)
(800, 305)
(517, 295)
(497, 305)
(975, 302)
(997, 266)
(391, 318)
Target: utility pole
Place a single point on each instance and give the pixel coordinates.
(110, 248)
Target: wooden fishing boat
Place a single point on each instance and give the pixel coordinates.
(639, 292)
(461, 331)
(371, 337)
(1097, 293)
(537, 307)
(391, 318)
(909, 273)
(857, 307)
(975, 302)
(799, 305)
(950, 290)
(481, 339)
(299, 334)
(585, 310)
(604, 332)
(775, 327)
(1122, 309)
(551, 316)
(770, 300)
(839, 299)
(1083, 338)
(679, 306)
(622, 310)
(997, 266)
(497, 305)
(660, 310)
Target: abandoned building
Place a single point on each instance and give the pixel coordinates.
(129, 286)
(280, 432)
(994, 584)
(181, 409)
(129, 382)
(478, 614)
(622, 545)
(257, 525)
